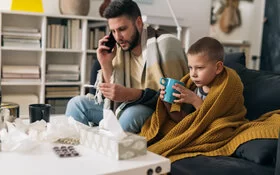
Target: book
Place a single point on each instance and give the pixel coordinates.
(63, 68)
(19, 29)
(49, 36)
(57, 102)
(22, 45)
(62, 94)
(21, 35)
(22, 80)
(17, 75)
(16, 40)
(62, 77)
(20, 69)
(62, 88)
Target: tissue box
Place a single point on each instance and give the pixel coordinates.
(131, 146)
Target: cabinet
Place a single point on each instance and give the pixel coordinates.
(56, 50)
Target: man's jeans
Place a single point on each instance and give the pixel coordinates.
(85, 110)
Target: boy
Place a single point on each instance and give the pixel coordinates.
(205, 62)
(217, 125)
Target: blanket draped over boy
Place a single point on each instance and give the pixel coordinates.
(217, 128)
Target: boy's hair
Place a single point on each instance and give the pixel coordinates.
(209, 47)
(118, 8)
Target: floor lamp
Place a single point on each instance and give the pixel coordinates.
(179, 28)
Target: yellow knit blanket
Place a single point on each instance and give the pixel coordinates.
(217, 128)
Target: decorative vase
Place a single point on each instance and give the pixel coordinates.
(103, 7)
(74, 7)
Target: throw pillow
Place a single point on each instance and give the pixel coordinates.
(233, 58)
(261, 151)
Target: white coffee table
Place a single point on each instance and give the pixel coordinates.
(43, 160)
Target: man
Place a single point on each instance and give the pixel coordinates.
(129, 77)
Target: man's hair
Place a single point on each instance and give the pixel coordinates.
(118, 8)
(209, 47)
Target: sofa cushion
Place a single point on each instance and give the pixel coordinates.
(232, 58)
(261, 92)
(261, 151)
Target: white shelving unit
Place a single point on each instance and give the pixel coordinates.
(45, 55)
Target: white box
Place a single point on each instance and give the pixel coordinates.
(131, 146)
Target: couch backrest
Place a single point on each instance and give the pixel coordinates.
(261, 88)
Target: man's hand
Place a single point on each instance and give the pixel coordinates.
(119, 93)
(105, 58)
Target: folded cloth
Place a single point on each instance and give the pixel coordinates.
(217, 128)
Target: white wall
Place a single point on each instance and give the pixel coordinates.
(251, 29)
(195, 13)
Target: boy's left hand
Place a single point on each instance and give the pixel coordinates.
(185, 95)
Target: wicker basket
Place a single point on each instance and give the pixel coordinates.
(74, 7)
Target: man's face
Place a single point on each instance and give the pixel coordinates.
(125, 31)
(202, 70)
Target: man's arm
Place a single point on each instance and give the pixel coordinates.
(149, 97)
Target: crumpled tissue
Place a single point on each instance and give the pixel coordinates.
(19, 136)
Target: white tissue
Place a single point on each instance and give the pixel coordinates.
(14, 139)
(111, 124)
(24, 137)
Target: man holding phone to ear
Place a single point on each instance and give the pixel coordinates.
(128, 81)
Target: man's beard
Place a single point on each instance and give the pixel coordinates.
(134, 41)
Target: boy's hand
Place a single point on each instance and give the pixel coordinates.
(162, 92)
(186, 96)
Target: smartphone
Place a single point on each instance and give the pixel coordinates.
(111, 42)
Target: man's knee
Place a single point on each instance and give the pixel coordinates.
(74, 105)
(133, 118)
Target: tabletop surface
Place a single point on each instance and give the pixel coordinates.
(43, 160)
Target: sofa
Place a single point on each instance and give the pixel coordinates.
(256, 157)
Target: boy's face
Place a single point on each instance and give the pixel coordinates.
(203, 70)
(126, 31)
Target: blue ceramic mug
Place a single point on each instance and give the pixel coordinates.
(168, 83)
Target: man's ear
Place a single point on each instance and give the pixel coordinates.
(220, 67)
(139, 22)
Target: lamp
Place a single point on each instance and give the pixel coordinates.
(179, 28)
